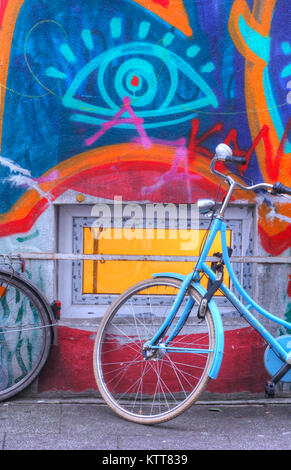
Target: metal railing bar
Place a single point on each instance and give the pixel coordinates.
(118, 257)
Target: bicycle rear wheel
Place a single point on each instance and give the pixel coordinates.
(159, 388)
(25, 335)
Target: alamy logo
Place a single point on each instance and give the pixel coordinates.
(147, 221)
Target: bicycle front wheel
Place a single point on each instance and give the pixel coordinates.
(152, 388)
(25, 335)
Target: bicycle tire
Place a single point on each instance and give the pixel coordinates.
(25, 335)
(128, 383)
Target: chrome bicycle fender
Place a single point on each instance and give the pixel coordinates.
(218, 325)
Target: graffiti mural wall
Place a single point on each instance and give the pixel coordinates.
(130, 97)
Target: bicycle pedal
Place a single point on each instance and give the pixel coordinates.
(270, 389)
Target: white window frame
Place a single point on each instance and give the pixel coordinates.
(240, 217)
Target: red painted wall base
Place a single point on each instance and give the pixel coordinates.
(70, 365)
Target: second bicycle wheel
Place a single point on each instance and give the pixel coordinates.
(153, 389)
(25, 335)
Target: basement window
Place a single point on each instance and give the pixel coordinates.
(88, 286)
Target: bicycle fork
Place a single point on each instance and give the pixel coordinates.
(156, 347)
(156, 342)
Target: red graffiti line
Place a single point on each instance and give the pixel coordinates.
(275, 244)
(163, 3)
(3, 5)
(273, 159)
(195, 146)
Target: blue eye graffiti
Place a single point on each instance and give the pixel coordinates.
(149, 74)
(147, 82)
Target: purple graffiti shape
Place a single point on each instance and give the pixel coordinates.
(133, 119)
(46, 179)
(173, 174)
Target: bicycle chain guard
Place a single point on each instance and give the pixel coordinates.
(272, 362)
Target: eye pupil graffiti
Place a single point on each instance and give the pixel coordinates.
(135, 81)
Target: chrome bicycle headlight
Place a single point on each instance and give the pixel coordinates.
(205, 205)
(222, 151)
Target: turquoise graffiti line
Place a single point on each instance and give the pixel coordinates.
(87, 39)
(68, 53)
(54, 73)
(286, 47)
(286, 72)
(192, 51)
(115, 27)
(261, 46)
(168, 39)
(143, 30)
(28, 237)
(20, 339)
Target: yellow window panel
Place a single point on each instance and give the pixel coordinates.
(113, 277)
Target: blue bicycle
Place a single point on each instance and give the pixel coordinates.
(162, 340)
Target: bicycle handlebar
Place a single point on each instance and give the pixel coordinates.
(279, 188)
(224, 154)
(235, 160)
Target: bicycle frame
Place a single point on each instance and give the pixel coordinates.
(220, 226)
(194, 279)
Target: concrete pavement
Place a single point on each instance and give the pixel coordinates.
(88, 424)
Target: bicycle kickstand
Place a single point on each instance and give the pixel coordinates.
(269, 389)
(270, 384)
